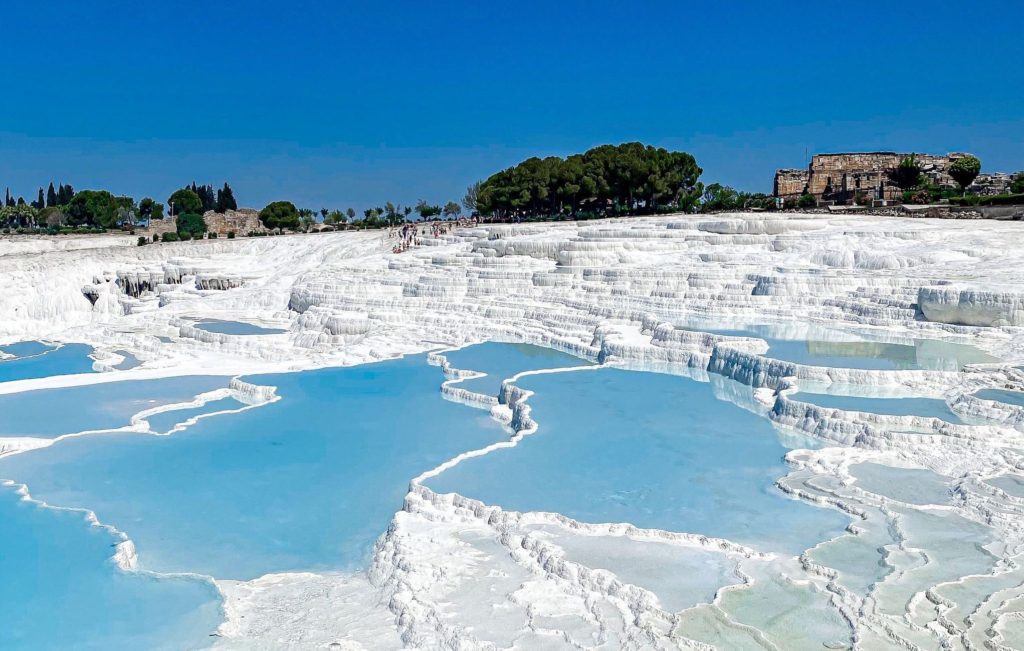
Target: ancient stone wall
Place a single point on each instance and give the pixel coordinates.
(844, 177)
(791, 182)
(242, 221)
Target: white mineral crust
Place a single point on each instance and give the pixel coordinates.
(452, 572)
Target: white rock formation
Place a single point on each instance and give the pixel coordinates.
(454, 573)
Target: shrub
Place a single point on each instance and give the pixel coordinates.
(995, 200)
(143, 241)
(1017, 184)
(191, 223)
(156, 237)
(171, 237)
(807, 201)
(231, 235)
(211, 236)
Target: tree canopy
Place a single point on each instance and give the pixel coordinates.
(623, 179)
(280, 214)
(907, 174)
(184, 200)
(964, 170)
(427, 210)
(97, 208)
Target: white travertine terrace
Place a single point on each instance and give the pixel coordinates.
(452, 572)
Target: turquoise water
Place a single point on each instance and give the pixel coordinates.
(165, 421)
(926, 354)
(27, 348)
(61, 590)
(107, 405)
(1015, 398)
(654, 450)
(68, 359)
(235, 328)
(501, 361)
(306, 483)
(927, 407)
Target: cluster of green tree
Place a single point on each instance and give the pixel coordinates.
(717, 197)
(198, 199)
(53, 198)
(62, 209)
(625, 179)
(388, 215)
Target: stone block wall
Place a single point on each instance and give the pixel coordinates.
(242, 221)
(842, 177)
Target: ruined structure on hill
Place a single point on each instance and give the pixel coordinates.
(242, 221)
(842, 178)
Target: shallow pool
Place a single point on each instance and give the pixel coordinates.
(36, 362)
(235, 328)
(657, 451)
(108, 405)
(1015, 398)
(305, 483)
(61, 589)
(130, 361)
(911, 485)
(924, 407)
(501, 361)
(837, 349)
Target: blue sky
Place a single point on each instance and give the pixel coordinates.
(350, 103)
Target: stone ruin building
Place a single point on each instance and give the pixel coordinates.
(841, 178)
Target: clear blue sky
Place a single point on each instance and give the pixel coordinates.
(354, 103)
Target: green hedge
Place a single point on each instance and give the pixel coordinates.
(995, 200)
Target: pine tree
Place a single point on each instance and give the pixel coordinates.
(51, 196)
(226, 199)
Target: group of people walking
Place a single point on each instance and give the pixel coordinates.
(410, 235)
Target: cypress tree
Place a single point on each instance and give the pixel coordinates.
(9, 200)
(51, 196)
(226, 199)
(64, 194)
(39, 203)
